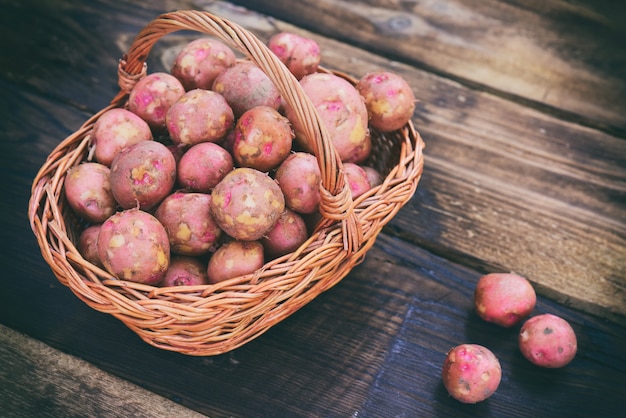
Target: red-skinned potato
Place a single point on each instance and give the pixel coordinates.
(342, 110)
(262, 139)
(301, 55)
(202, 166)
(88, 191)
(88, 244)
(357, 179)
(115, 130)
(142, 175)
(373, 176)
(185, 271)
(189, 224)
(471, 373)
(152, 97)
(389, 100)
(287, 234)
(246, 203)
(133, 246)
(299, 179)
(244, 86)
(234, 259)
(548, 340)
(200, 61)
(504, 298)
(199, 116)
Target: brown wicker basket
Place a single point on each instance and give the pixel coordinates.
(214, 319)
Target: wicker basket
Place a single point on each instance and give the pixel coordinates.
(214, 319)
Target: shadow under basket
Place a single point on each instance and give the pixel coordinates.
(213, 319)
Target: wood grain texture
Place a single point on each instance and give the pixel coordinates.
(506, 187)
(563, 56)
(41, 381)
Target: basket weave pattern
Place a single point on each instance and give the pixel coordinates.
(214, 319)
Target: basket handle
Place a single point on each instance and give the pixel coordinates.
(336, 202)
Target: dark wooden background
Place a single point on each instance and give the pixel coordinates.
(522, 105)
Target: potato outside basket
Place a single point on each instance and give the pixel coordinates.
(213, 319)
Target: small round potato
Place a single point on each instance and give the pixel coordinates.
(287, 234)
(185, 271)
(189, 224)
(246, 203)
(262, 138)
(301, 55)
(299, 179)
(202, 166)
(244, 85)
(342, 110)
(88, 192)
(152, 97)
(357, 179)
(504, 298)
(115, 130)
(200, 61)
(88, 244)
(199, 116)
(548, 341)
(142, 175)
(389, 99)
(133, 246)
(234, 259)
(471, 373)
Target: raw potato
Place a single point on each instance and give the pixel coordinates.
(188, 222)
(152, 97)
(548, 341)
(287, 234)
(142, 175)
(471, 373)
(343, 112)
(185, 271)
(244, 85)
(202, 166)
(199, 116)
(115, 130)
(504, 298)
(389, 99)
(133, 245)
(262, 139)
(357, 179)
(88, 244)
(234, 259)
(301, 55)
(299, 179)
(88, 192)
(200, 61)
(373, 176)
(247, 203)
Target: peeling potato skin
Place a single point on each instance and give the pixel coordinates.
(246, 203)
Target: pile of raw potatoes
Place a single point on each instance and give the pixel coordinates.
(471, 372)
(205, 175)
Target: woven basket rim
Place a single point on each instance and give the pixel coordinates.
(213, 319)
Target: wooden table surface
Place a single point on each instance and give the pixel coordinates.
(522, 105)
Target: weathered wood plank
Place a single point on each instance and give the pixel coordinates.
(565, 56)
(373, 345)
(506, 187)
(38, 380)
